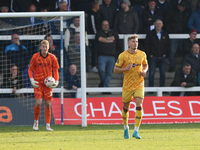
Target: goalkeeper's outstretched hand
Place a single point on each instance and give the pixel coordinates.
(34, 83)
(54, 85)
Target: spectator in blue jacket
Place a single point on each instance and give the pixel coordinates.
(194, 20)
(72, 80)
(17, 53)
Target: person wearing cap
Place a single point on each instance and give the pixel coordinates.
(126, 22)
(150, 15)
(176, 23)
(186, 45)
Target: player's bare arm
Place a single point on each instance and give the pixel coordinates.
(120, 70)
(144, 70)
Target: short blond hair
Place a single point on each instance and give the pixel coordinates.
(44, 42)
(132, 37)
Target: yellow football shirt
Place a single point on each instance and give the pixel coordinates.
(132, 78)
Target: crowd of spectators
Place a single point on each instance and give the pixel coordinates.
(106, 19)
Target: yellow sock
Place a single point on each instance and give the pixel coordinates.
(125, 116)
(138, 118)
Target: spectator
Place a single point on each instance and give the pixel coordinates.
(63, 5)
(72, 80)
(157, 49)
(5, 22)
(164, 6)
(176, 23)
(106, 46)
(126, 22)
(17, 53)
(194, 4)
(186, 45)
(4, 9)
(194, 20)
(70, 32)
(13, 79)
(53, 48)
(93, 24)
(185, 77)
(193, 58)
(5, 3)
(108, 12)
(94, 18)
(150, 15)
(174, 4)
(138, 6)
(74, 54)
(31, 23)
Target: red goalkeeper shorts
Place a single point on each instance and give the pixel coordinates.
(43, 92)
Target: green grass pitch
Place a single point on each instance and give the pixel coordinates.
(101, 137)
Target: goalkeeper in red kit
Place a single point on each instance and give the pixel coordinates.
(42, 64)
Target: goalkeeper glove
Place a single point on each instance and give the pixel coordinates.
(54, 85)
(34, 83)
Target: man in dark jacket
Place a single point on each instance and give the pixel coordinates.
(184, 77)
(157, 49)
(72, 80)
(176, 23)
(13, 79)
(106, 46)
(186, 45)
(150, 15)
(126, 22)
(108, 12)
(193, 58)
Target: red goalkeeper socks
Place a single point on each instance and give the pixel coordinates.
(36, 112)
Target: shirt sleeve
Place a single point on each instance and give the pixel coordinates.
(120, 61)
(55, 68)
(31, 67)
(144, 60)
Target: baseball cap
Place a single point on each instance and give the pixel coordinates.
(127, 2)
(193, 30)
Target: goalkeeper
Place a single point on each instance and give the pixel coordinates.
(42, 64)
(133, 64)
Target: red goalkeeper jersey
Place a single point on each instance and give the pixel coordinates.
(43, 67)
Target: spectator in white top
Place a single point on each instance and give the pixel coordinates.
(70, 32)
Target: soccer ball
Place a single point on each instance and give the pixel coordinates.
(49, 81)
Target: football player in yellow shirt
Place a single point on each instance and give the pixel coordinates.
(133, 64)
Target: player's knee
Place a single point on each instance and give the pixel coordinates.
(139, 108)
(125, 109)
(38, 104)
(47, 104)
